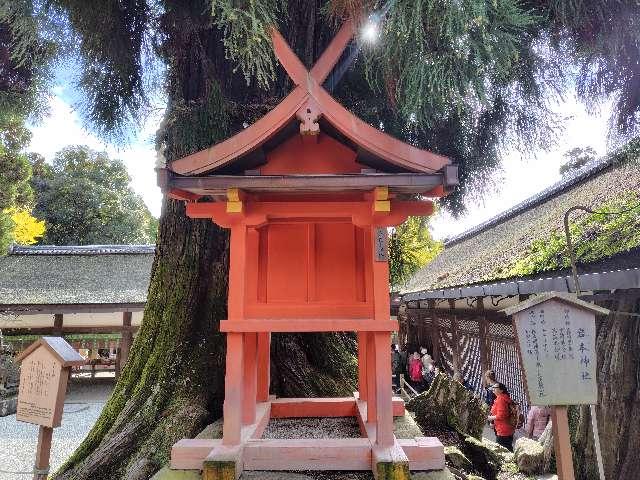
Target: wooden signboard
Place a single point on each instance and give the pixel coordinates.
(556, 340)
(44, 370)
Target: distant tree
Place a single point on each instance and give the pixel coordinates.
(411, 247)
(27, 229)
(577, 158)
(85, 198)
(15, 191)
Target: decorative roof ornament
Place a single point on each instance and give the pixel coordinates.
(308, 103)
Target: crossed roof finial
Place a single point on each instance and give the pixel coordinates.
(308, 102)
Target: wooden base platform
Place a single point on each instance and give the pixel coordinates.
(218, 461)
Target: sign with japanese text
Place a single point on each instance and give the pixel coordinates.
(38, 398)
(557, 344)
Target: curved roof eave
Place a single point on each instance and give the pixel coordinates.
(310, 97)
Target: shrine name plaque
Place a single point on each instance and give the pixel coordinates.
(44, 371)
(557, 344)
(39, 382)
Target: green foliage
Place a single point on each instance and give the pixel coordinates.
(410, 248)
(247, 34)
(15, 172)
(85, 198)
(595, 236)
(25, 58)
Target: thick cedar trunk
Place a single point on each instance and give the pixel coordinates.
(173, 382)
(618, 410)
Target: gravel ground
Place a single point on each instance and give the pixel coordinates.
(18, 440)
(346, 427)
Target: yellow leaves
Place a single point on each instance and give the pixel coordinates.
(27, 228)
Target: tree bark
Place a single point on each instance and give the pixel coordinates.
(173, 383)
(618, 409)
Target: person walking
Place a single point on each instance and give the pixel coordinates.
(501, 416)
(488, 381)
(425, 358)
(415, 372)
(537, 420)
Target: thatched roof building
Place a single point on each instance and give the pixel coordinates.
(91, 285)
(523, 250)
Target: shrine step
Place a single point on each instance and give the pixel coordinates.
(424, 453)
(189, 453)
(308, 454)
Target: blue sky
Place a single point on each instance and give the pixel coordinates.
(520, 177)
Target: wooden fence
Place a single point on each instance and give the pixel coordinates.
(467, 342)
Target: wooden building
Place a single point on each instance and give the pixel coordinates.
(452, 306)
(93, 295)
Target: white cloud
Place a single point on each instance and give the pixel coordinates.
(63, 127)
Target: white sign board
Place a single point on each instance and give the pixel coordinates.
(557, 343)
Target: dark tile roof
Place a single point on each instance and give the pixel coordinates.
(479, 255)
(80, 249)
(52, 275)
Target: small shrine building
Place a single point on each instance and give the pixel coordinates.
(308, 192)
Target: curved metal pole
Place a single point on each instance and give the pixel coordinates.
(576, 281)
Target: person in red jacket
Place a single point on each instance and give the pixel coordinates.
(500, 416)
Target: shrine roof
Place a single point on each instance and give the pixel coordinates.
(65, 353)
(75, 275)
(485, 258)
(310, 110)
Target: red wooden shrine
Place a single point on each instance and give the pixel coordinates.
(307, 193)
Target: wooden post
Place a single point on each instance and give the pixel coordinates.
(371, 378)
(264, 366)
(57, 325)
(125, 343)
(457, 363)
(250, 379)
(384, 407)
(562, 444)
(234, 388)
(483, 330)
(41, 466)
(362, 365)
(232, 411)
(435, 332)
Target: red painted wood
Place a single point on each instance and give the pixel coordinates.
(309, 95)
(307, 325)
(249, 378)
(264, 366)
(313, 407)
(233, 393)
(362, 366)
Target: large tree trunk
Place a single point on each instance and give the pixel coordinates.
(618, 353)
(173, 382)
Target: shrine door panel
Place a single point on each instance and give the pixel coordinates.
(338, 263)
(287, 262)
(311, 263)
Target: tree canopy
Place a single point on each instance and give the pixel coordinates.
(15, 191)
(410, 248)
(462, 78)
(85, 198)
